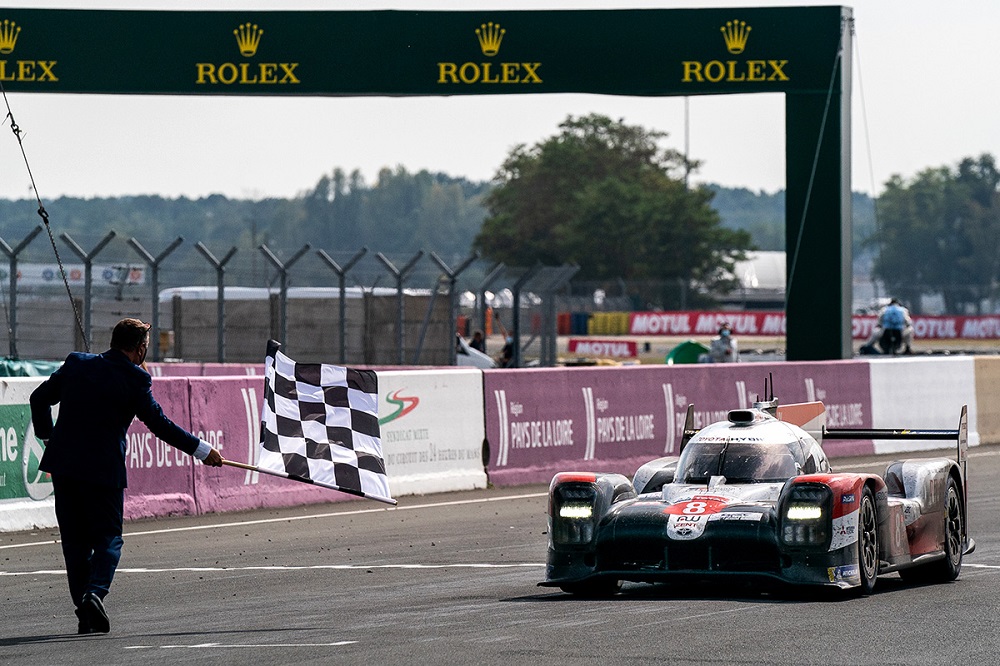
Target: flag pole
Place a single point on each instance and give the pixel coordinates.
(283, 475)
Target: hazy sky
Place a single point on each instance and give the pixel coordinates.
(926, 93)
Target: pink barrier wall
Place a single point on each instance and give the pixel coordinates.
(160, 477)
(204, 369)
(539, 422)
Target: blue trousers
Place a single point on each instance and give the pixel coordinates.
(90, 519)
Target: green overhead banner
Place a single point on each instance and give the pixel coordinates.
(631, 52)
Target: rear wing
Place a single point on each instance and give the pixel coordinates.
(959, 435)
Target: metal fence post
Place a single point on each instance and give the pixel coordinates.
(154, 270)
(550, 325)
(88, 264)
(481, 305)
(516, 314)
(341, 273)
(220, 276)
(283, 293)
(452, 275)
(400, 275)
(12, 255)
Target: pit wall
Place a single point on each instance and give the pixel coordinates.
(460, 429)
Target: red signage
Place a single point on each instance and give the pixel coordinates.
(604, 348)
(925, 327)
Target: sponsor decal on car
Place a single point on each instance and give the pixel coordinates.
(686, 527)
(844, 530)
(738, 515)
(847, 499)
(847, 572)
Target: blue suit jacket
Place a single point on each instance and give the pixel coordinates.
(98, 396)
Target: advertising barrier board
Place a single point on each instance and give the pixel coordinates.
(603, 348)
(160, 477)
(25, 491)
(940, 386)
(987, 371)
(925, 327)
(432, 430)
(539, 422)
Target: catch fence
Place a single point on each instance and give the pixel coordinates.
(213, 302)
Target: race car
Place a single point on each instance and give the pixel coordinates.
(755, 498)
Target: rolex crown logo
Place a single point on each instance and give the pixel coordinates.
(736, 34)
(8, 36)
(490, 35)
(248, 38)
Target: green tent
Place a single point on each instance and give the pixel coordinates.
(686, 352)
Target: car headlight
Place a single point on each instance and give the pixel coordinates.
(581, 511)
(804, 512)
(573, 519)
(805, 516)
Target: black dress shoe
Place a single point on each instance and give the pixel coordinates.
(83, 626)
(94, 614)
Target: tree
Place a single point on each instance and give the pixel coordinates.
(940, 233)
(603, 195)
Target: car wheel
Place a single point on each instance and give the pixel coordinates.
(948, 568)
(596, 588)
(867, 542)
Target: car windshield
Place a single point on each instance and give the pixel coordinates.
(739, 462)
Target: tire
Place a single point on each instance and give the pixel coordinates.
(948, 568)
(599, 588)
(868, 559)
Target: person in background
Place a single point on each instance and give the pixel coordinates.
(98, 396)
(478, 342)
(895, 321)
(724, 349)
(506, 357)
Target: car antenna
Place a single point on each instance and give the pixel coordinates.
(769, 404)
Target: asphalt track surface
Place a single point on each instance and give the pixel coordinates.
(451, 579)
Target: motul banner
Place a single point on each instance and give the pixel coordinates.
(604, 348)
(925, 327)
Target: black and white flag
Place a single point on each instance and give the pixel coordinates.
(320, 425)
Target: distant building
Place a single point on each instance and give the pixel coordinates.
(762, 282)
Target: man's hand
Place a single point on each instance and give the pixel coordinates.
(214, 458)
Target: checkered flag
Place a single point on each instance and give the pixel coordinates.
(320, 426)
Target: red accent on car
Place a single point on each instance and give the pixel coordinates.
(846, 489)
(574, 477)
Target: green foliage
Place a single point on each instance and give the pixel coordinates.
(762, 215)
(604, 196)
(401, 212)
(940, 232)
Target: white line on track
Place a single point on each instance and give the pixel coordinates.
(222, 645)
(288, 519)
(292, 567)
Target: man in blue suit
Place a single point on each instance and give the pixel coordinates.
(98, 396)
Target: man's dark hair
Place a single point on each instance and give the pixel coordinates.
(129, 334)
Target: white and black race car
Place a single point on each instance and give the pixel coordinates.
(755, 497)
